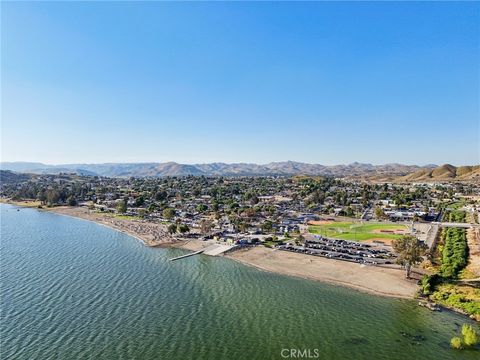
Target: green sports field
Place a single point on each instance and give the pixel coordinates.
(358, 231)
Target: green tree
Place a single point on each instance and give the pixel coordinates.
(379, 213)
(409, 250)
(267, 226)
(183, 228)
(122, 207)
(205, 226)
(42, 197)
(53, 196)
(152, 207)
(349, 211)
(71, 201)
(139, 201)
(172, 228)
(168, 213)
(243, 225)
(201, 207)
(161, 195)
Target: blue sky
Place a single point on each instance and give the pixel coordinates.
(325, 83)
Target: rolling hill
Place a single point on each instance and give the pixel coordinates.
(216, 169)
(354, 171)
(445, 172)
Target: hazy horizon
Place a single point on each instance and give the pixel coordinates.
(242, 162)
(320, 83)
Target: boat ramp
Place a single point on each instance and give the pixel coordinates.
(211, 250)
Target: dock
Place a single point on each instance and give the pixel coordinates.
(187, 255)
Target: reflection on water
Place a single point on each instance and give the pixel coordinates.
(74, 290)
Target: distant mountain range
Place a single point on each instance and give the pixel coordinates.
(369, 172)
(219, 169)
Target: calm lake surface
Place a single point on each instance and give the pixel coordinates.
(71, 289)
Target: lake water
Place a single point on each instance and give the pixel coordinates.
(71, 289)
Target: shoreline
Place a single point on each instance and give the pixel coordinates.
(385, 282)
(326, 281)
(149, 234)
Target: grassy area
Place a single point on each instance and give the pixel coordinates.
(120, 216)
(24, 203)
(127, 217)
(273, 242)
(449, 263)
(454, 216)
(357, 231)
(457, 205)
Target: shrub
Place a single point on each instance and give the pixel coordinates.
(470, 336)
(429, 282)
(456, 343)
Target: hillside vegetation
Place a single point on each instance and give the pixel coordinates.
(443, 286)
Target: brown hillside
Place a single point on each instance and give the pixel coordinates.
(444, 173)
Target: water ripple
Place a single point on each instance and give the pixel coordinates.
(74, 290)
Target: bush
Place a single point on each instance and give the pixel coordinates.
(456, 343)
(122, 207)
(429, 282)
(169, 213)
(463, 298)
(183, 228)
(470, 336)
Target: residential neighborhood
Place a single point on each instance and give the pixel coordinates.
(244, 209)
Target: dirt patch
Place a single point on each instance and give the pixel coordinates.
(378, 241)
(473, 240)
(386, 231)
(320, 222)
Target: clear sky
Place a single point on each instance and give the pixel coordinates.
(325, 83)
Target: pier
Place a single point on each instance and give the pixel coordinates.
(187, 255)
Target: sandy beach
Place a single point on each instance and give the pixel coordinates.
(151, 234)
(371, 279)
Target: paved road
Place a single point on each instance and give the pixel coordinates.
(432, 235)
(461, 225)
